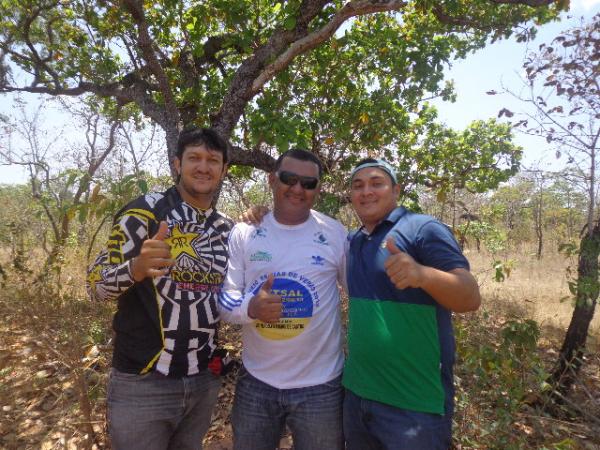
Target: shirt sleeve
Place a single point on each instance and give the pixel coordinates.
(233, 302)
(110, 275)
(343, 269)
(437, 247)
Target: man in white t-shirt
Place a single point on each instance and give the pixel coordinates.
(282, 286)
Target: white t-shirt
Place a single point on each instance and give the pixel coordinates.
(305, 347)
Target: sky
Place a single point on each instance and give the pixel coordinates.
(490, 68)
(499, 65)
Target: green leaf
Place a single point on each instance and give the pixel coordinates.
(83, 213)
(289, 23)
(143, 186)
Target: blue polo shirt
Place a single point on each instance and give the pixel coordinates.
(400, 342)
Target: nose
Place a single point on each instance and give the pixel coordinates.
(202, 165)
(365, 190)
(296, 188)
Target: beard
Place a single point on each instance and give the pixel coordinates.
(201, 192)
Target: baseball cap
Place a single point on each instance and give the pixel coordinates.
(379, 163)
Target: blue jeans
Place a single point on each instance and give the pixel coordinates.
(313, 414)
(155, 412)
(370, 425)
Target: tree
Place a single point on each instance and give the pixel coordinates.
(509, 208)
(336, 77)
(564, 91)
(476, 159)
(61, 193)
(568, 205)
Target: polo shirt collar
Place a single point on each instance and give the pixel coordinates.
(392, 217)
(395, 214)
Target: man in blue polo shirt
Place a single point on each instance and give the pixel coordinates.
(406, 274)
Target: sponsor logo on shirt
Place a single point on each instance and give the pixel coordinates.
(317, 260)
(196, 276)
(320, 238)
(299, 298)
(259, 232)
(182, 243)
(260, 256)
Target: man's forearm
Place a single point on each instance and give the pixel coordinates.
(456, 290)
(108, 282)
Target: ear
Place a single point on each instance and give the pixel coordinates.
(271, 178)
(177, 165)
(397, 189)
(224, 172)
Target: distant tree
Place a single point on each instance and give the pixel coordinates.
(509, 208)
(564, 92)
(61, 192)
(338, 77)
(567, 209)
(18, 224)
(539, 180)
(443, 160)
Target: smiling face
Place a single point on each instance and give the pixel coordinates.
(292, 204)
(373, 195)
(201, 170)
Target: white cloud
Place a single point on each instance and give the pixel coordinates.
(585, 5)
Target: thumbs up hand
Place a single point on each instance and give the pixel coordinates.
(162, 233)
(155, 256)
(254, 215)
(266, 306)
(402, 269)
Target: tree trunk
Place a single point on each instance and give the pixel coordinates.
(171, 136)
(540, 238)
(570, 358)
(539, 221)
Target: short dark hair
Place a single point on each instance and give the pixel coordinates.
(302, 155)
(202, 136)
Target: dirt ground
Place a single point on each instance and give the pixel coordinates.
(41, 382)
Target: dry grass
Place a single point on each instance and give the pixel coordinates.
(46, 412)
(535, 289)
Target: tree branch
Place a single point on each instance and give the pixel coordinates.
(314, 39)
(285, 45)
(96, 163)
(444, 18)
(136, 9)
(532, 3)
(254, 158)
(130, 90)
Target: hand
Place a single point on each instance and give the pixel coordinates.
(265, 306)
(154, 259)
(402, 269)
(253, 215)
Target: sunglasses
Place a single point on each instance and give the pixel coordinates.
(290, 179)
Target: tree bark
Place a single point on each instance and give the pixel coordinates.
(571, 354)
(539, 226)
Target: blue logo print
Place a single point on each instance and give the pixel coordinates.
(317, 260)
(260, 256)
(259, 232)
(320, 238)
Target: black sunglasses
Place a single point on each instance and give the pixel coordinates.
(290, 179)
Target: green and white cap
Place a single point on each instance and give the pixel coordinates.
(379, 163)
